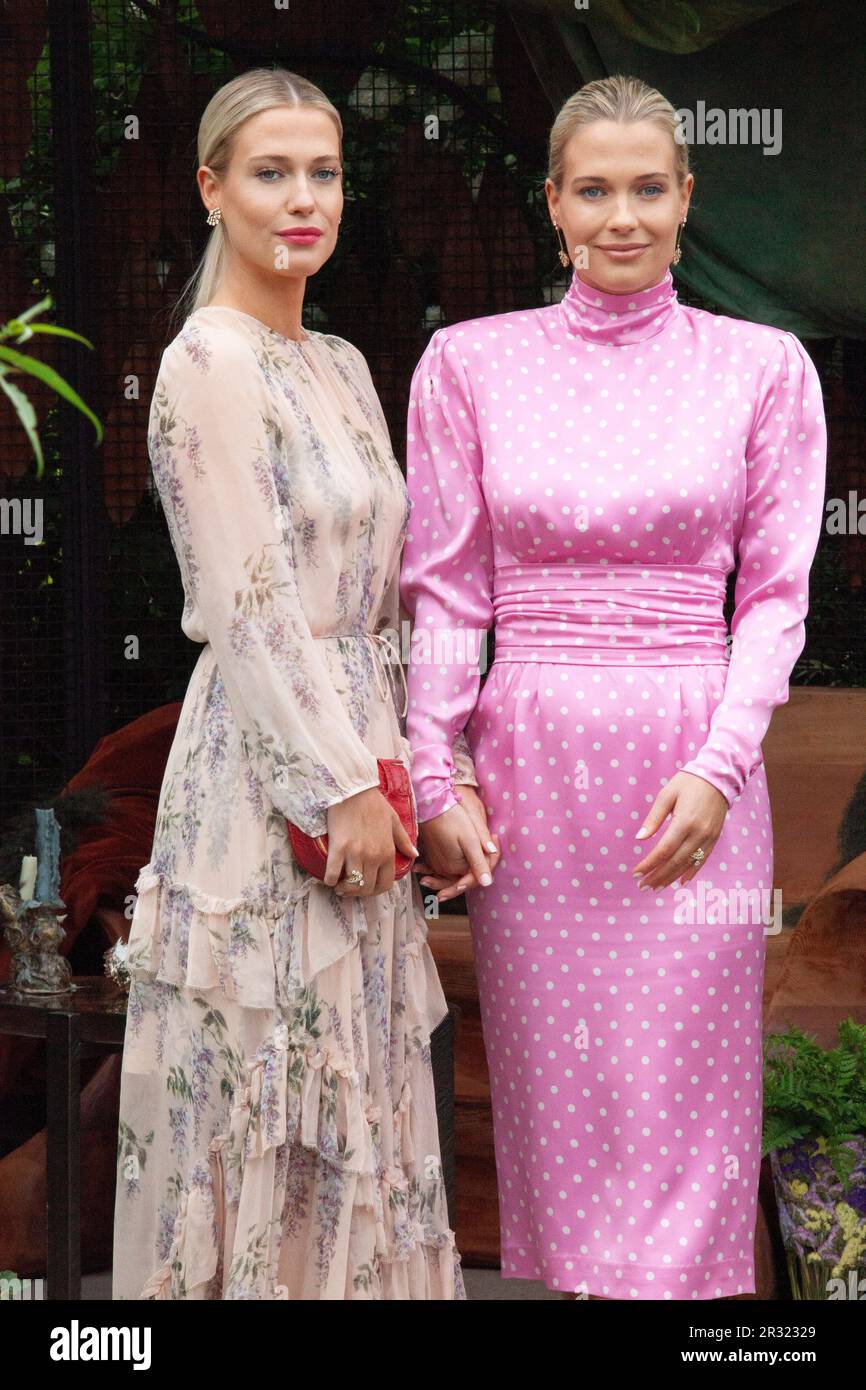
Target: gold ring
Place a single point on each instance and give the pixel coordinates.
(355, 877)
(698, 857)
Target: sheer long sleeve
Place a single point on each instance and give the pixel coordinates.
(786, 466)
(212, 438)
(447, 575)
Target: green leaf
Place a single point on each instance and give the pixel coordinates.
(51, 378)
(51, 328)
(27, 416)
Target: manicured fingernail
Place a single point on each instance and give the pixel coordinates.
(485, 880)
(491, 846)
(642, 834)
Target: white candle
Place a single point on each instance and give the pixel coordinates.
(27, 883)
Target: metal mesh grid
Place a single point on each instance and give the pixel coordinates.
(445, 154)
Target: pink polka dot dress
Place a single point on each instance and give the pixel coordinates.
(583, 477)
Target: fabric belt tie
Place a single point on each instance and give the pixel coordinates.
(385, 656)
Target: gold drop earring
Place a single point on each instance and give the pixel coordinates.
(564, 257)
(677, 251)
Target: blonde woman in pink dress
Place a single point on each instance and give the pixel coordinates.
(278, 1134)
(585, 476)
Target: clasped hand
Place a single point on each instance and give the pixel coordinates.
(459, 851)
(364, 831)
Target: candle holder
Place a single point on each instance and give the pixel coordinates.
(33, 934)
(31, 916)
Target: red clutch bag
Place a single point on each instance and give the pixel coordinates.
(311, 851)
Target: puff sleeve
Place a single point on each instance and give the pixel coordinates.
(447, 574)
(786, 456)
(212, 436)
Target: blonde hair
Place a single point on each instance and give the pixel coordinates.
(256, 90)
(615, 98)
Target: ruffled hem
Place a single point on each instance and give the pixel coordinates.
(248, 948)
(303, 1096)
(412, 1264)
(306, 1098)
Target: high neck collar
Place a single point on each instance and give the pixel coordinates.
(600, 317)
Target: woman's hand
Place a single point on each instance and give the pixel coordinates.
(459, 851)
(698, 815)
(364, 831)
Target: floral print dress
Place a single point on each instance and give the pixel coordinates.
(277, 1134)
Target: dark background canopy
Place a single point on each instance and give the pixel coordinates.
(776, 238)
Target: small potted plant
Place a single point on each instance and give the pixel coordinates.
(815, 1133)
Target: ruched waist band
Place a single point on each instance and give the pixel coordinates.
(610, 615)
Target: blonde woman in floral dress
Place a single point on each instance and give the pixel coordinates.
(278, 1133)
